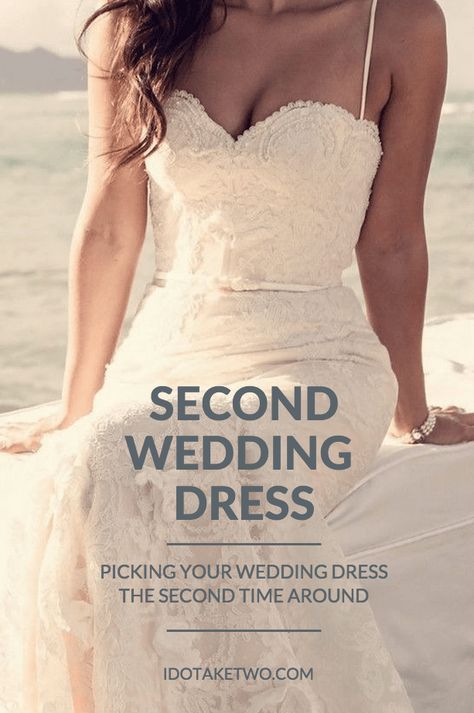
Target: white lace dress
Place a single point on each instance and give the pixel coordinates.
(252, 235)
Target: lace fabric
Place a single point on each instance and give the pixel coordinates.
(220, 205)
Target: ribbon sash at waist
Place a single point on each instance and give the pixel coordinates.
(237, 284)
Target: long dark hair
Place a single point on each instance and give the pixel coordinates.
(152, 40)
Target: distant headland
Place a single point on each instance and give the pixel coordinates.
(39, 70)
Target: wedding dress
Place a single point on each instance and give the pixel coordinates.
(252, 235)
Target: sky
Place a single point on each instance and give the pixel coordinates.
(50, 23)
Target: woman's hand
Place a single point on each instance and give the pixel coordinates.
(453, 426)
(27, 437)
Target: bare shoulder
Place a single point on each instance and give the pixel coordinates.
(412, 36)
(413, 16)
(411, 29)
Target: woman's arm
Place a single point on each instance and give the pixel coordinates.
(105, 248)
(106, 243)
(392, 253)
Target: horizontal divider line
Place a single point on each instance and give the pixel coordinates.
(244, 544)
(244, 631)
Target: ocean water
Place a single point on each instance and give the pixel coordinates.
(42, 177)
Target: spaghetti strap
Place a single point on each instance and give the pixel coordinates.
(368, 58)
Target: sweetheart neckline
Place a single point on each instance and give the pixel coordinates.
(373, 128)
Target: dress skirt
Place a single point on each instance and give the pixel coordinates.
(73, 640)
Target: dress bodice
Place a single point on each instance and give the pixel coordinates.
(282, 204)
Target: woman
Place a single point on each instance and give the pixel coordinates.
(259, 193)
